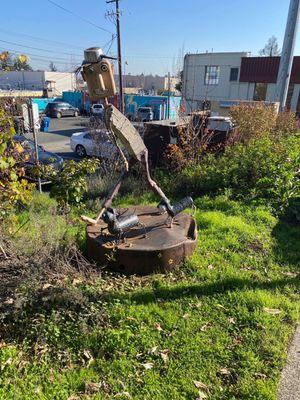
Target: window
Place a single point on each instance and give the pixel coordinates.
(260, 92)
(212, 75)
(87, 136)
(234, 73)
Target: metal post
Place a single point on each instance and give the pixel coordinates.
(121, 99)
(36, 149)
(169, 89)
(286, 60)
(124, 80)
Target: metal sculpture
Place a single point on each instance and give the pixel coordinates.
(97, 71)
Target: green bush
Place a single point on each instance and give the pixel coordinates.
(69, 186)
(14, 189)
(263, 169)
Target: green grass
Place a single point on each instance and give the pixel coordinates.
(224, 319)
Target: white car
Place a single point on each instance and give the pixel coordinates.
(97, 110)
(95, 144)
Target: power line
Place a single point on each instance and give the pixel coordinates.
(46, 57)
(150, 56)
(40, 39)
(111, 43)
(78, 16)
(39, 49)
(39, 57)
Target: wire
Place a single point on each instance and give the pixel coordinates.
(39, 49)
(40, 57)
(40, 39)
(78, 16)
(111, 43)
(150, 56)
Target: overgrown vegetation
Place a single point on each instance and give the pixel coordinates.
(264, 171)
(215, 328)
(69, 184)
(260, 160)
(13, 189)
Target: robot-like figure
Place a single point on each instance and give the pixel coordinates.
(97, 71)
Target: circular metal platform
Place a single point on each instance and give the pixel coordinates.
(153, 247)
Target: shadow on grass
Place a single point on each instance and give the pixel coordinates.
(211, 289)
(287, 236)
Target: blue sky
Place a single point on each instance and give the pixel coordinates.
(153, 32)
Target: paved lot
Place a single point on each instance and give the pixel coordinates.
(57, 139)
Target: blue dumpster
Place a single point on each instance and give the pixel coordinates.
(45, 124)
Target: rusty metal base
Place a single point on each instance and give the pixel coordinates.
(151, 247)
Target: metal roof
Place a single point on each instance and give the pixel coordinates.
(265, 69)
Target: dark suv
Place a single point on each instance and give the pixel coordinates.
(60, 109)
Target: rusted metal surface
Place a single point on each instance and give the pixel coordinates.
(153, 247)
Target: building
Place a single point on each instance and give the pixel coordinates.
(226, 78)
(159, 105)
(56, 82)
(148, 83)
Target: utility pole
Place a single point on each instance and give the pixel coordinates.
(121, 93)
(287, 55)
(169, 94)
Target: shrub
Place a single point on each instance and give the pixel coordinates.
(286, 123)
(253, 120)
(13, 188)
(70, 184)
(264, 169)
(194, 140)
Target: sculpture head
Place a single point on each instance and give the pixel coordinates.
(97, 71)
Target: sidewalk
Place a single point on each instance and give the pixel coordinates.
(289, 386)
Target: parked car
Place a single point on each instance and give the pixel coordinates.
(97, 110)
(45, 157)
(60, 109)
(144, 114)
(220, 124)
(96, 144)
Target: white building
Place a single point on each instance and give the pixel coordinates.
(225, 78)
(38, 81)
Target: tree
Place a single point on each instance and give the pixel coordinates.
(52, 67)
(178, 85)
(271, 48)
(21, 63)
(6, 61)
(18, 63)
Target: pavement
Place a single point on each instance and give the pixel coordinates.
(57, 140)
(289, 387)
